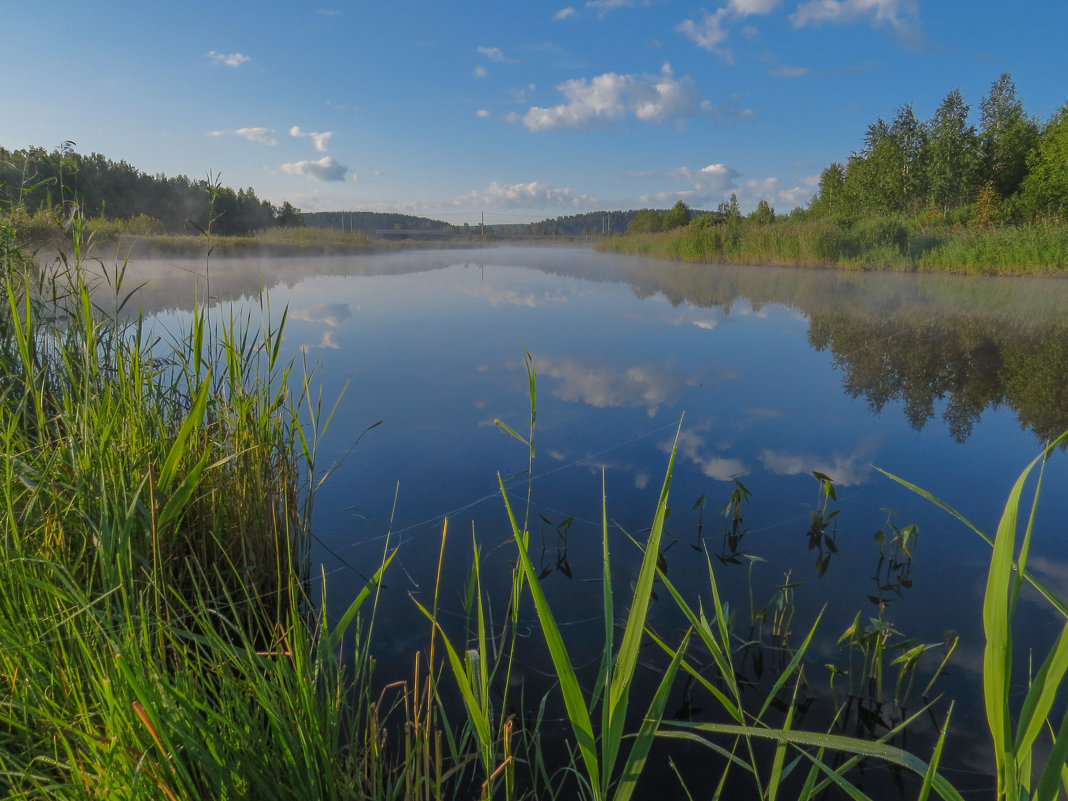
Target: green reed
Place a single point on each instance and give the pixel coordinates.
(159, 639)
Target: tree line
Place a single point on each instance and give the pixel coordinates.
(1011, 169)
(38, 182)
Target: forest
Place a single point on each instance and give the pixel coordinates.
(41, 188)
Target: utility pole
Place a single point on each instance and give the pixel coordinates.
(483, 225)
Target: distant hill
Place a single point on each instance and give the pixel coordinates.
(592, 223)
(371, 221)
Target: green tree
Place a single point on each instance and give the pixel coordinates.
(1045, 189)
(830, 196)
(288, 216)
(873, 184)
(952, 154)
(764, 214)
(1008, 137)
(645, 221)
(677, 217)
(910, 136)
(730, 211)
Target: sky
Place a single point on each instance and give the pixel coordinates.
(511, 111)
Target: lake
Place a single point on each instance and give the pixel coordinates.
(953, 383)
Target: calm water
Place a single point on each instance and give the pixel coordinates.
(949, 382)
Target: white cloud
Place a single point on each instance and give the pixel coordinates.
(328, 12)
(483, 113)
(610, 97)
(901, 15)
(710, 184)
(667, 98)
(531, 195)
(261, 135)
(492, 53)
(744, 8)
(320, 140)
(480, 71)
(564, 13)
(325, 169)
(708, 34)
(771, 190)
(228, 59)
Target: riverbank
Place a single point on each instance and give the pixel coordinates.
(878, 243)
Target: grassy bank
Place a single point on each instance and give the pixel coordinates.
(881, 243)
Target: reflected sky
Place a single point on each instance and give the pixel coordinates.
(755, 362)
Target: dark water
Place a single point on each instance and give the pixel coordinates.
(952, 383)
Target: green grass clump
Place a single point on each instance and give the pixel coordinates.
(158, 641)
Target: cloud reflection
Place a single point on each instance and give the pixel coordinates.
(692, 446)
(843, 470)
(330, 313)
(507, 296)
(603, 386)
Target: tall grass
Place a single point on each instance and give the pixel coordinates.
(894, 243)
(158, 639)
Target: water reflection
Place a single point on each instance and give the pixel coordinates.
(585, 380)
(943, 346)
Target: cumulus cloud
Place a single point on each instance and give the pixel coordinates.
(708, 34)
(564, 13)
(325, 169)
(610, 97)
(320, 140)
(744, 8)
(264, 136)
(228, 59)
(479, 71)
(902, 16)
(483, 113)
(531, 195)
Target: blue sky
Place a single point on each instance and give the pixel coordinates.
(518, 110)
